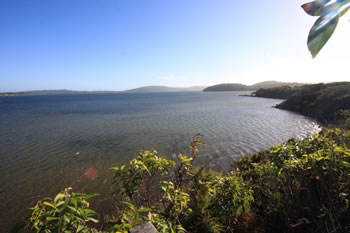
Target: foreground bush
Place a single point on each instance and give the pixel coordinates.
(302, 186)
(298, 186)
(67, 212)
(176, 197)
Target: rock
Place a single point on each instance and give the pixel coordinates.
(144, 228)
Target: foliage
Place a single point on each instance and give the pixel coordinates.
(322, 101)
(175, 201)
(302, 186)
(147, 174)
(220, 202)
(283, 92)
(328, 13)
(140, 171)
(190, 198)
(65, 213)
(133, 216)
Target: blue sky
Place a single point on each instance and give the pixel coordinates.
(122, 44)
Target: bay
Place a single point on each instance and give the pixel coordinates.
(49, 142)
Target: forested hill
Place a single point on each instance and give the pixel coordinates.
(241, 87)
(165, 89)
(329, 103)
(228, 87)
(283, 92)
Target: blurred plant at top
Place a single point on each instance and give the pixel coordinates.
(328, 12)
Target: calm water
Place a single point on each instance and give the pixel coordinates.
(48, 142)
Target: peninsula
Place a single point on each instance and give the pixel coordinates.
(242, 87)
(328, 103)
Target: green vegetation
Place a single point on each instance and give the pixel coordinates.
(329, 103)
(241, 87)
(65, 213)
(297, 186)
(283, 92)
(302, 186)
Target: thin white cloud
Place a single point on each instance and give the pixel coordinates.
(168, 78)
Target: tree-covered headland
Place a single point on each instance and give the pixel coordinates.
(241, 87)
(329, 103)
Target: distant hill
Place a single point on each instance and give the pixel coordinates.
(52, 92)
(136, 90)
(241, 87)
(165, 89)
(228, 87)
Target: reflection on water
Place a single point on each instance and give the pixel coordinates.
(50, 142)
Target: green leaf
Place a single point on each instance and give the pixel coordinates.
(144, 209)
(343, 11)
(49, 204)
(93, 220)
(60, 203)
(136, 218)
(52, 218)
(66, 218)
(75, 202)
(89, 212)
(127, 227)
(116, 227)
(72, 208)
(346, 164)
(144, 166)
(131, 206)
(280, 171)
(80, 227)
(312, 8)
(59, 196)
(88, 196)
(320, 33)
(338, 7)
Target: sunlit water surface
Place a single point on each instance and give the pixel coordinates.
(48, 143)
